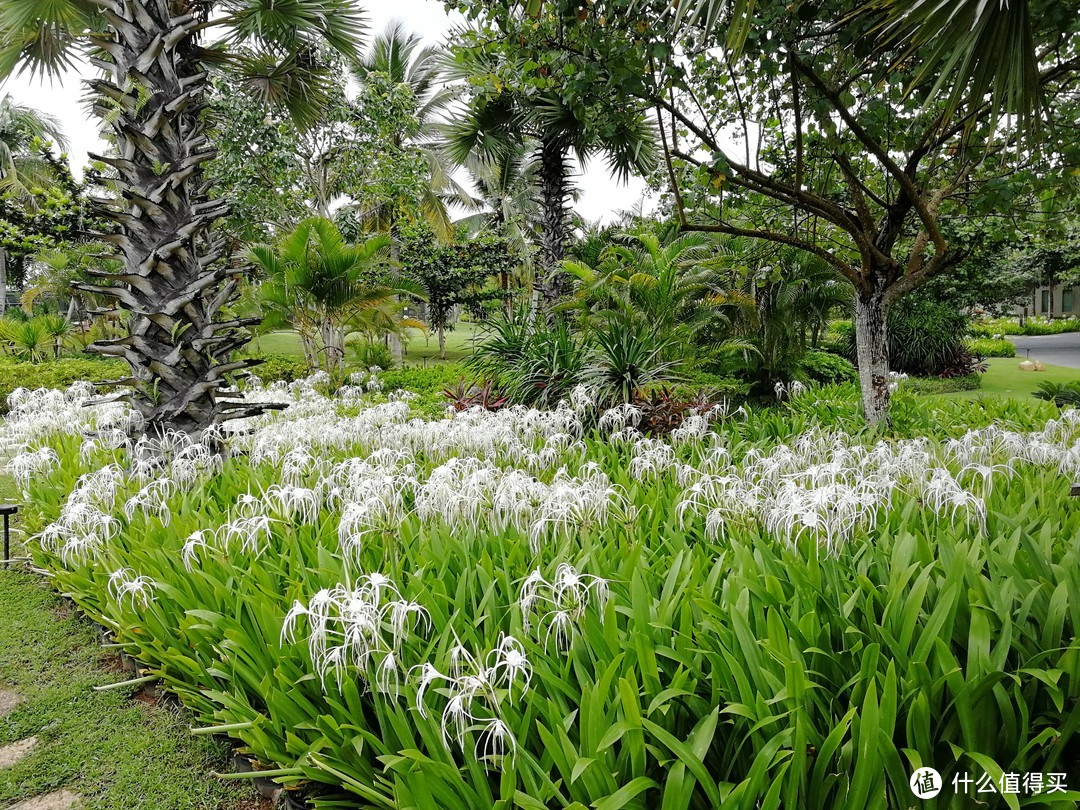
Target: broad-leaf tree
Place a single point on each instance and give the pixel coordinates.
(156, 58)
(811, 131)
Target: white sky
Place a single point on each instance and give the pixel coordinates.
(601, 195)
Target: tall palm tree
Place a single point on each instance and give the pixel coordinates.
(156, 57)
(400, 57)
(493, 125)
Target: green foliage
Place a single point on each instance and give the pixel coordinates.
(991, 327)
(943, 385)
(989, 347)
(1061, 394)
(56, 374)
(627, 357)
(827, 368)
(280, 368)
(422, 379)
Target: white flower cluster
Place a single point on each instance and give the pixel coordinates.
(474, 494)
(363, 627)
(124, 584)
(561, 603)
(475, 688)
(826, 486)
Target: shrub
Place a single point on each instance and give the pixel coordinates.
(532, 363)
(467, 395)
(1061, 394)
(828, 368)
(626, 358)
(56, 374)
(701, 383)
(989, 347)
(371, 355)
(990, 327)
(925, 338)
(280, 368)
(422, 379)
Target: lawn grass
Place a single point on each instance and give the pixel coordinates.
(1005, 379)
(421, 350)
(115, 751)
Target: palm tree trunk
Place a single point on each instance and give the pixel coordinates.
(554, 174)
(173, 284)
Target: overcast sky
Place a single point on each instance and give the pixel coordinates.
(602, 196)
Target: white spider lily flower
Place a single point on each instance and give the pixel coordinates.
(195, 541)
(32, 464)
(252, 532)
(358, 628)
(495, 741)
(123, 583)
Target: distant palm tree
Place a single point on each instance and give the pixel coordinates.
(319, 283)
(22, 167)
(398, 55)
(21, 164)
(493, 126)
(156, 58)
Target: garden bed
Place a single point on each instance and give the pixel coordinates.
(508, 607)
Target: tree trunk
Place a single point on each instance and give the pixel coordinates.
(3, 281)
(872, 345)
(395, 338)
(550, 282)
(173, 284)
(442, 343)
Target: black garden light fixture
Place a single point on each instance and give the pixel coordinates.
(7, 510)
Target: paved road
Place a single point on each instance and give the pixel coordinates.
(1057, 350)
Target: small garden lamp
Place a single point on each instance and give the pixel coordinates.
(7, 510)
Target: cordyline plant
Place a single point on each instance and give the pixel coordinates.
(156, 57)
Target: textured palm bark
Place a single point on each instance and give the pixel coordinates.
(555, 189)
(174, 284)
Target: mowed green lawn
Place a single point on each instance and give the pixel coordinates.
(420, 350)
(1004, 378)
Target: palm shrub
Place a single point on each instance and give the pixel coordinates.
(627, 358)
(1061, 394)
(28, 339)
(322, 285)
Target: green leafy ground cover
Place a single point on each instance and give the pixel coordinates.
(761, 651)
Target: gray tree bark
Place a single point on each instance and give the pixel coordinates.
(872, 342)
